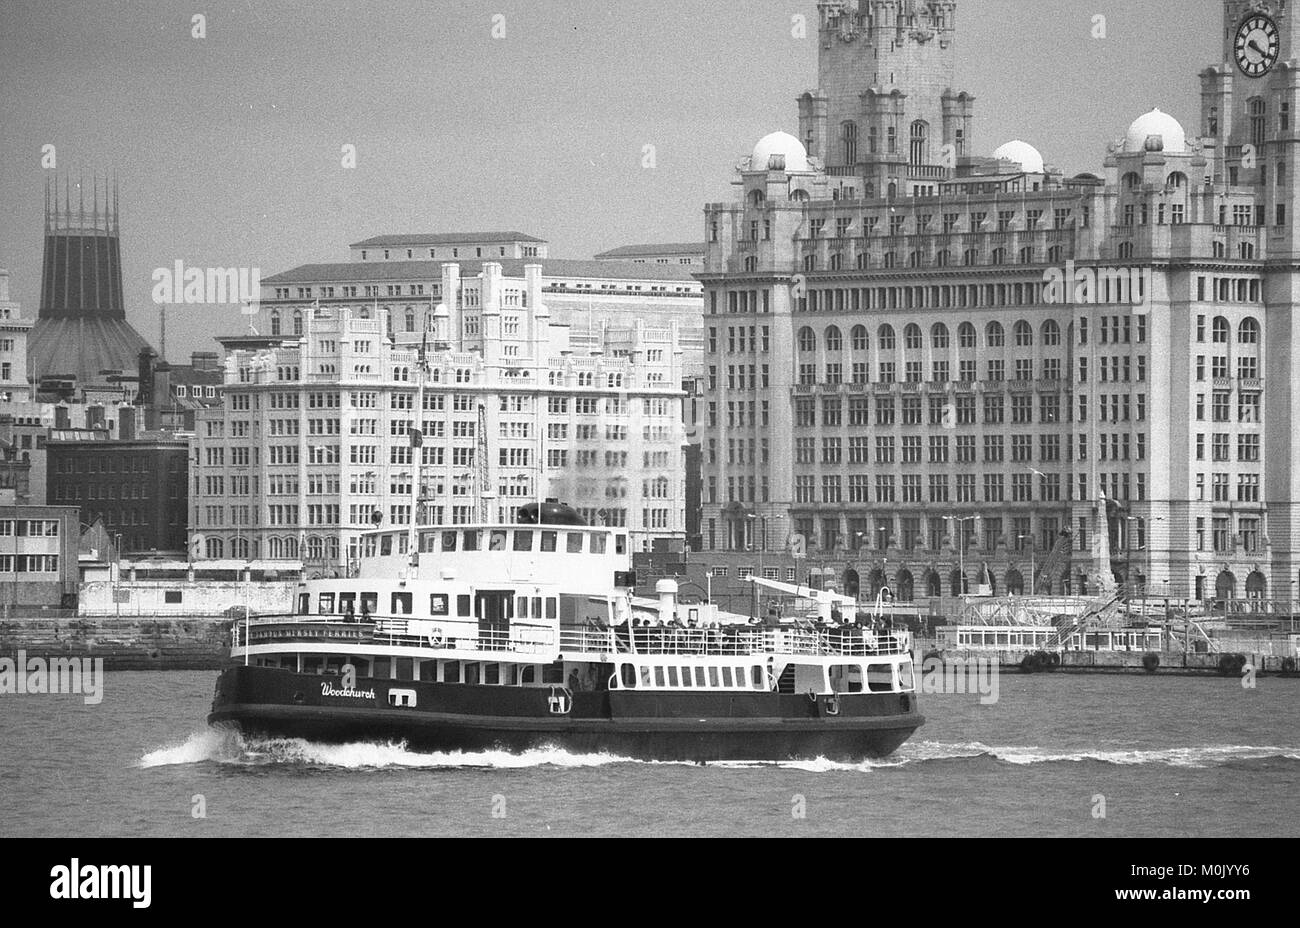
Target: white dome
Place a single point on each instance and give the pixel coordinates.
(1156, 124)
(1022, 153)
(793, 156)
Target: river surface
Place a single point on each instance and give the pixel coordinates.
(1066, 755)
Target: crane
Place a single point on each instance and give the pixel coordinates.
(826, 600)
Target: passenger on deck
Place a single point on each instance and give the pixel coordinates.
(575, 682)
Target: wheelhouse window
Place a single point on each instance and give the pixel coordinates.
(573, 542)
(880, 678)
(463, 605)
(846, 678)
(326, 604)
(549, 540)
(438, 604)
(598, 544)
(627, 674)
(523, 541)
(449, 541)
(401, 603)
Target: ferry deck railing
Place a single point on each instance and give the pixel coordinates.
(539, 639)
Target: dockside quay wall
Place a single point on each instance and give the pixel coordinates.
(124, 644)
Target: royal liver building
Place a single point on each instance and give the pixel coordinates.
(927, 355)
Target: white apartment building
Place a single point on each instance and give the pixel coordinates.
(313, 444)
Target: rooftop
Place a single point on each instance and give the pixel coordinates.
(668, 248)
(446, 238)
(552, 268)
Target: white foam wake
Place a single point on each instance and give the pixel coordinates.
(1211, 755)
(229, 747)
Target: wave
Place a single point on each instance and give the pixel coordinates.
(232, 748)
(1212, 755)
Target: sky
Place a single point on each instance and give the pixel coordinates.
(501, 115)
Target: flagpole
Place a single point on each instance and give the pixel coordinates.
(417, 450)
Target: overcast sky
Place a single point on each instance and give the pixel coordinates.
(228, 148)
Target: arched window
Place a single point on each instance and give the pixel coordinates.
(861, 342)
(892, 190)
(215, 547)
(275, 323)
(1177, 180)
(849, 141)
(1027, 255)
(966, 337)
(891, 259)
(1051, 334)
(863, 261)
(971, 257)
(943, 258)
(888, 341)
(757, 198)
(1248, 331)
(1132, 180)
(915, 259)
(837, 261)
(919, 153)
(999, 256)
(1221, 330)
(905, 590)
(807, 339)
(1125, 250)
(912, 336)
(933, 584)
(799, 196)
(751, 263)
(939, 335)
(1024, 334)
(834, 340)
(995, 335)
(297, 322)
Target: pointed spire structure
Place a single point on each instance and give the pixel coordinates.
(81, 328)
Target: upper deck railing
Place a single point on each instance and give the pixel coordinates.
(540, 639)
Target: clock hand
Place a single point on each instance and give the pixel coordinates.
(1255, 45)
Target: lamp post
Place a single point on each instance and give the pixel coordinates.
(961, 548)
(1032, 588)
(857, 560)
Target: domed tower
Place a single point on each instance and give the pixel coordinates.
(885, 108)
(81, 326)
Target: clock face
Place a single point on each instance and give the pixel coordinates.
(1257, 45)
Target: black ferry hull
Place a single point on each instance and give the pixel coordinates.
(691, 726)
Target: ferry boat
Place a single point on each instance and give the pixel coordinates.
(526, 636)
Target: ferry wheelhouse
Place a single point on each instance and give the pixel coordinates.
(524, 636)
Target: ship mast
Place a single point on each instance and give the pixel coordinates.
(417, 451)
